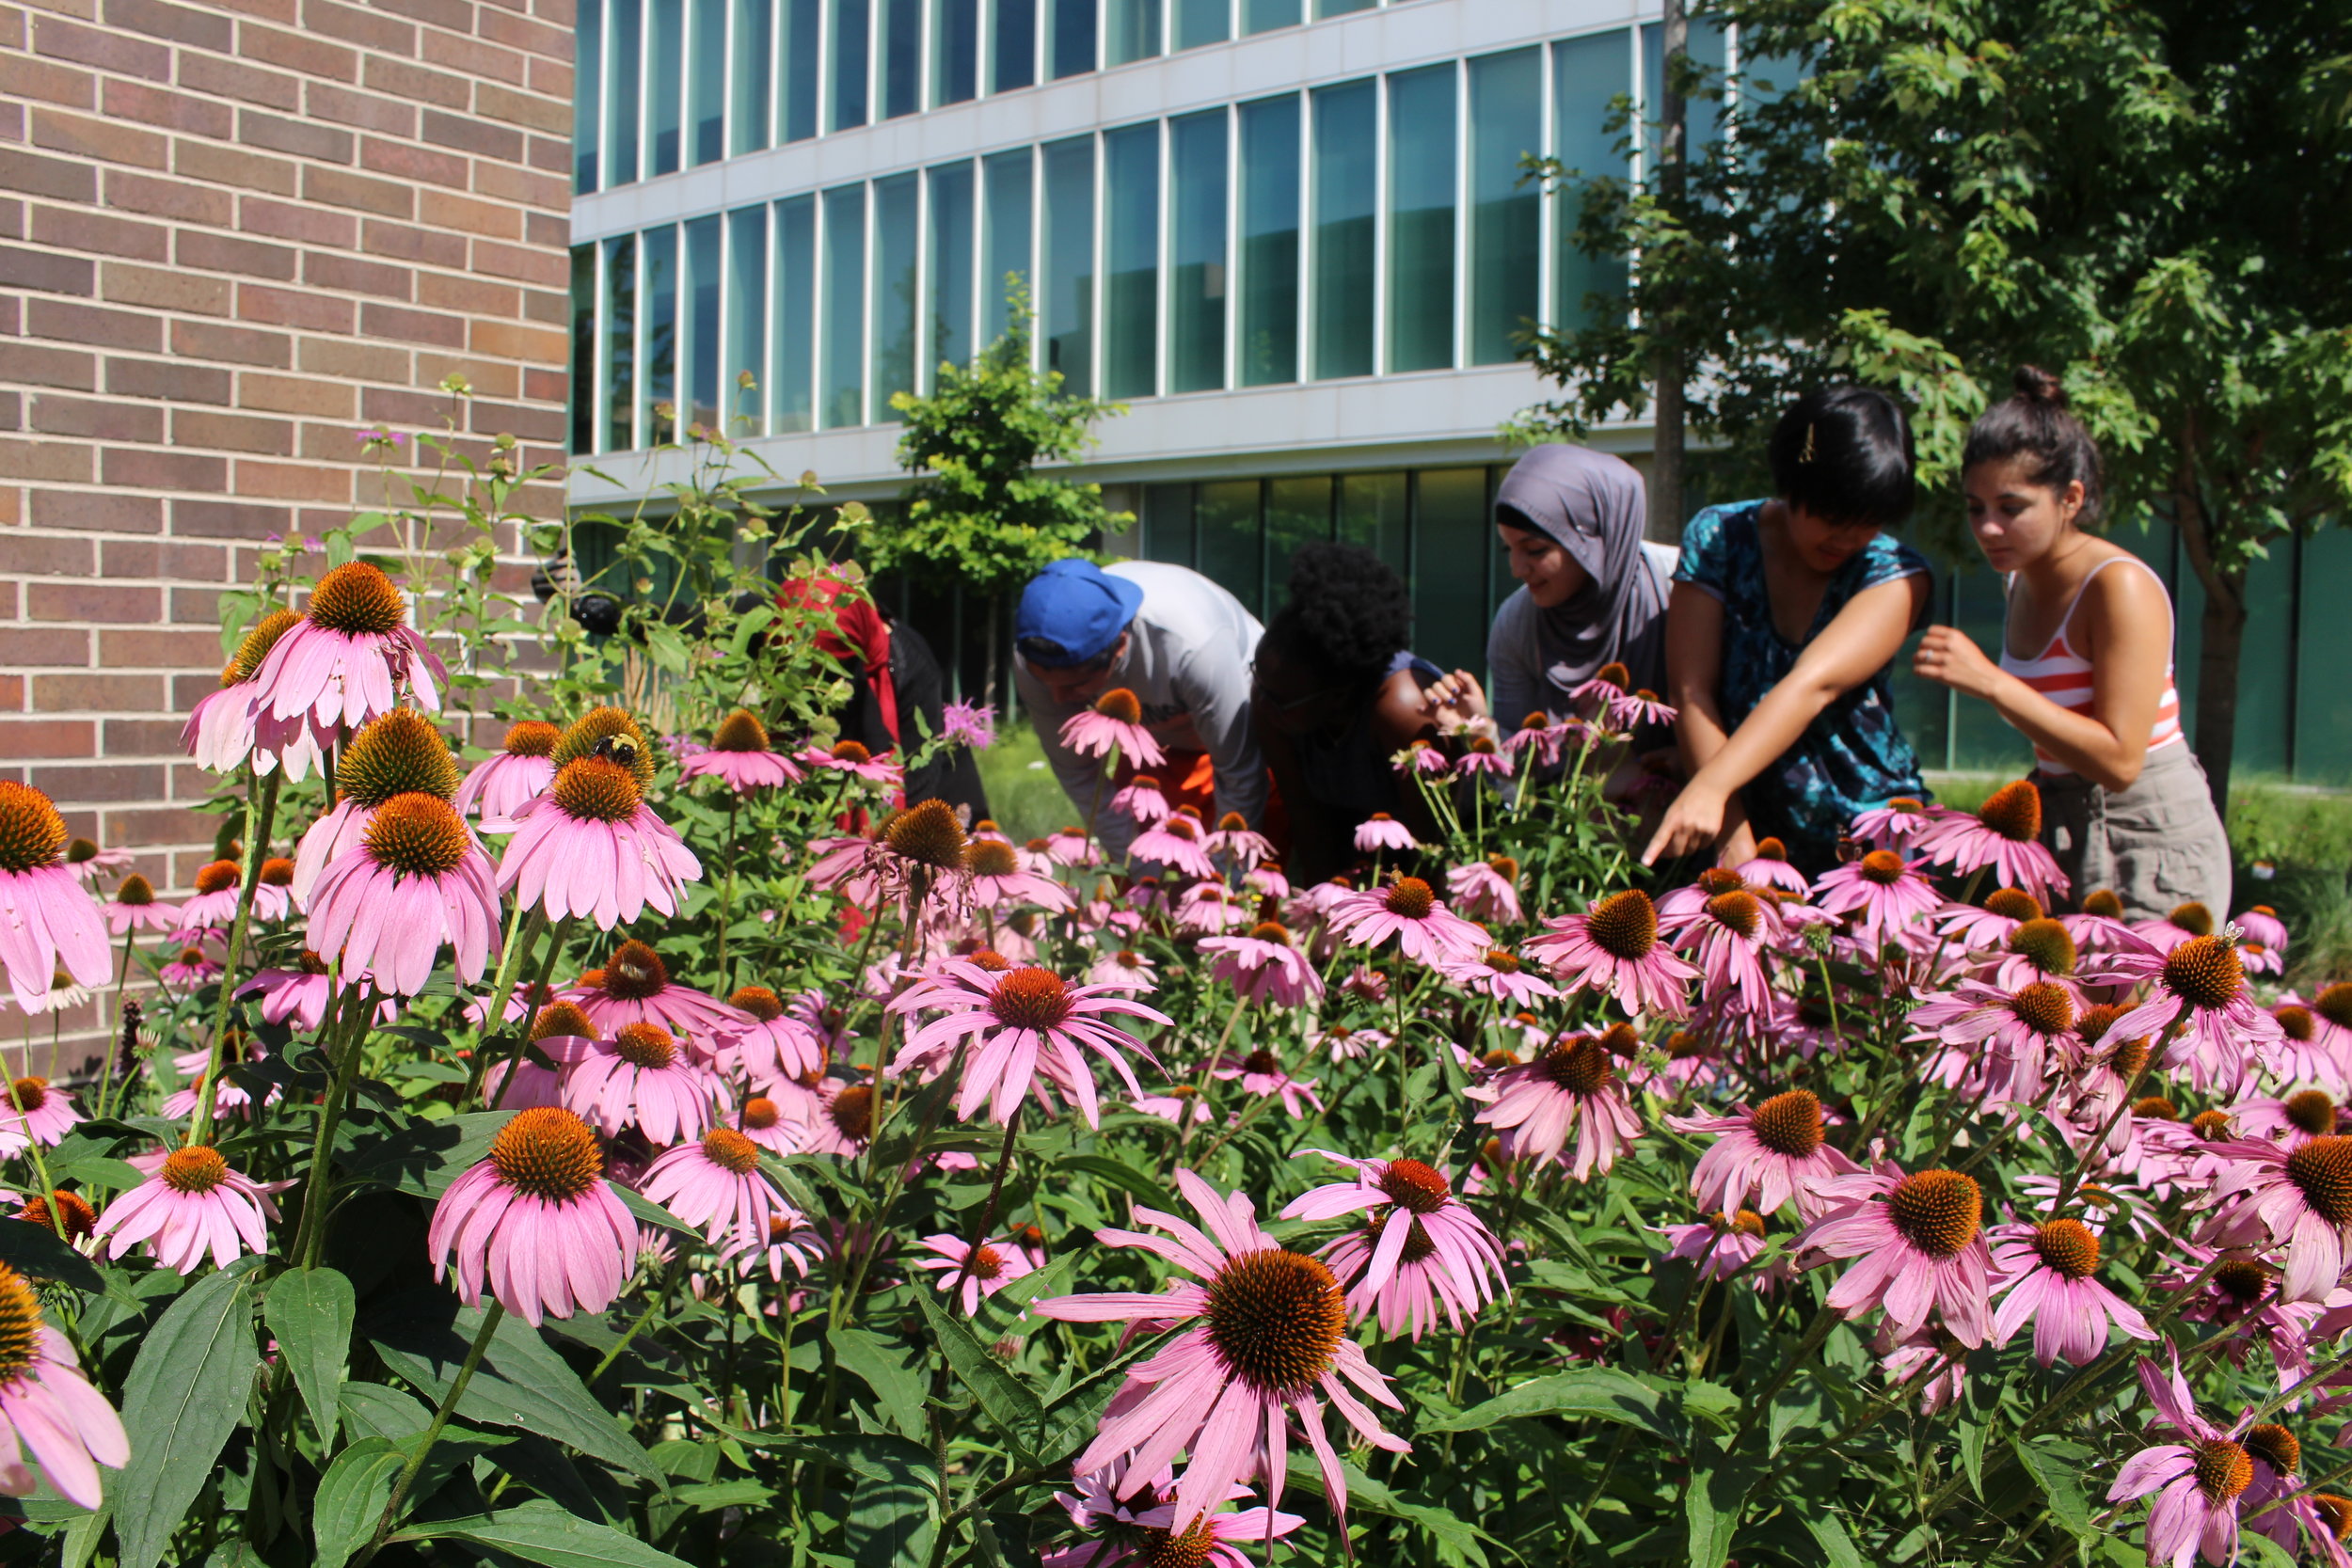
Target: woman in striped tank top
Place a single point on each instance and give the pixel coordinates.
(2086, 665)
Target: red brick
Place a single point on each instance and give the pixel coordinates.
(164, 470)
(510, 186)
(83, 228)
(44, 646)
(550, 78)
(303, 139)
(514, 418)
(98, 511)
(109, 51)
(163, 558)
(49, 554)
(552, 230)
(287, 221)
(339, 189)
(296, 307)
(455, 15)
(46, 271)
(194, 427)
(58, 461)
(36, 366)
(295, 481)
(197, 247)
(473, 295)
(531, 110)
(534, 38)
(523, 264)
(226, 78)
(212, 519)
(551, 155)
(405, 243)
(174, 111)
(107, 782)
(353, 361)
(383, 405)
(412, 326)
(442, 210)
(306, 396)
(178, 380)
(407, 80)
(299, 53)
(409, 162)
(24, 76)
(94, 601)
(361, 26)
(134, 737)
(368, 111)
(165, 289)
(326, 270)
(545, 386)
(108, 141)
(94, 419)
(100, 693)
(232, 166)
(47, 738)
(29, 174)
(469, 134)
(160, 196)
(476, 58)
(181, 24)
(156, 646)
(66, 322)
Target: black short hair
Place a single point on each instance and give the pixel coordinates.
(2034, 423)
(1348, 616)
(1844, 454)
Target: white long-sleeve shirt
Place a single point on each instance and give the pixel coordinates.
(1188, 662)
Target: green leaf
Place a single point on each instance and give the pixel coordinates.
(1126, 1178)
(1595, 1393)
(1972, 1436)
(1713, 1502)
(893, 1516)
(653, 1214)
(539, 1531)
(897, 1389)
(2056, 1467)
(31, 1249)
(351, 1497)
(1017, 1411)
(310, 1312)
(2260, 1549)
(427, 1157)
(376, 1410)
(1829, 1533)
(1367, 1496)
(185, 1394)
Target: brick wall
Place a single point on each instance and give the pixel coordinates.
(230, 235)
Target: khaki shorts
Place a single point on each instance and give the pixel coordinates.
(2157, 846)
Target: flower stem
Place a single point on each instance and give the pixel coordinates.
(106, 1074)
(351, 1024)
(502, 986)
(988, 1211)
(257, 816)
(490, 1320)
(726, 898)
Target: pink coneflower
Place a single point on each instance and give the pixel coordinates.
(1124, 969)
(1235, 843)
(2186, 922)
(1210, 908)
(791, 1240)
(1727, 935)
(1408, 909)
(1347, 1043)
(2317, 1521)
(634, 987)
(1903, 820)
(1420, 1251)
(1382, 831)
(48, 920)
(86, 860)
(219, 733)
(1929, 1357)
(1480, 757)
(1921, 1249)
(1265, 966)
(1989, 927)
(2291, 1122)
(1614, 949)
(418, 879)
(2004, 835)
(851, 757)
(1722, 1246)
(215, 904)
(1113, 725)
(190, 969)
(2269, 1195)
(1639, 708)
(1608, 685)
(1881, 896)
(2198, 1482)
(2261, 922)
(1175, 843)
(1263, 1332)
(994, 1265)
(770, 1041)
(996, 878)
(1486, 890)
(591, 846)
(1539, 737)
(296, 996)
(2002, 1043)
(523, 768)
(1267, 880)
(47, 1405)
(641, 1077)
(1144, 1534)
(349, 658)
(192, 1201)
(2098, 926)
(1497, 974)
(1072, 846)
(715, 1182)
(2298, 1055)
(1261, 1074)
(539, 1220)
(1020, 1024)
(134, 908)
(35, 1109)
(1141, 800)
(2202, 987)
(2044, 1274)
(1770, 867)
(739, 755)
(1765, 1157)
(844, 1124)
(1571, 1088)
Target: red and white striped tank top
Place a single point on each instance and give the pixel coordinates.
(2063, 676)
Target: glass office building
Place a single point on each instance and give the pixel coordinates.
(1289, 236)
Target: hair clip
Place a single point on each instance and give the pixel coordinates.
(1807, 455)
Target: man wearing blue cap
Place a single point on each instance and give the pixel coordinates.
(1177, 641)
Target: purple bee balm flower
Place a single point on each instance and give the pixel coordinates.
(349, 659)
(740, 755)
(993, 1266)
(972, 725)
(1113, 725)
(1018, 1025)
(1265, 1341)
(418, 880)
(2199, 1483)
(642, 1078)
(48, 1407)
(1614, 949)
(48, 919)
(496, 788)
(1423, 1250)
(716, 1184)
(2044, 1274)
(591, 846)
(1765, 1157)
(1919, 1239)
(536, 1222)
(192, 1201)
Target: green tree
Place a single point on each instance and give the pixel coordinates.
(984, 517)
(2154, 198)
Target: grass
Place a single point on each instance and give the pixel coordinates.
(1023, 792)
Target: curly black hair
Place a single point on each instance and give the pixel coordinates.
(1347, 614)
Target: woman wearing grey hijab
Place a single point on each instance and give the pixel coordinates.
(1592, 590)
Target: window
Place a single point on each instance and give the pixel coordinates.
(747, 322)
(1261, 16)
(1232, 549)
(699, 376)
(659, 345)
(1506, 115)
(664, 68)
(1297, 511)
(955, 51)
(1372, 514)
(849, 43)
(1074, 37)
(750, 87)
(620, 345)
(587, 97)
(1066, 296)
(623, 93)
(1587, 74)
(901, 57)
(791, 401)
(1004, 238)
(1196, 293)
(1133, 30)
(893, 302)
(584, 400)
(707, 81)
(1011, 44)
(1167, 531)
(1269, 242)
(1340, 8)
(1201, 22)
(1345, 187)
(796, 107)
(843, 335)
(1452, 538)
(1131, 245)
(1421, 161)
(950, 267)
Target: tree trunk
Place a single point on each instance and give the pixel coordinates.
(988, 683)
(1666, 429)
(2224, 626)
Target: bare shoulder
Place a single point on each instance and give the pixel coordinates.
(2125, 587)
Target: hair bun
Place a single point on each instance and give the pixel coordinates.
(2036, 384)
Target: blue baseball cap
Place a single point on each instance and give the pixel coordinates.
(1072, 614)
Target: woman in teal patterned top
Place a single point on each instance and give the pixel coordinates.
(1785, 616)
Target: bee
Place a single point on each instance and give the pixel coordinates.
(618, 748)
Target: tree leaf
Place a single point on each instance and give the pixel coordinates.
(1596, 1393)
(538, 1531)
(310, 1311)
(897, 1389)
(1017, 1411)
(185, 1394)
(351, 1498)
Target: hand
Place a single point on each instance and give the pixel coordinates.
(1948, 656)
(1456, 697)
(1692, 823)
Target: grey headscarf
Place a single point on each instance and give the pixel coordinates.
(1592, 505)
